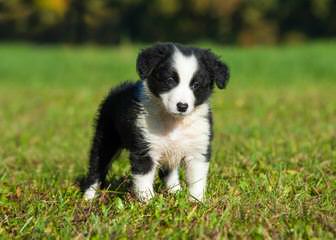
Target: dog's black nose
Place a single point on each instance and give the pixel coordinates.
(182, 107)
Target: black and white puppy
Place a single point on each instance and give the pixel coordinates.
(163, 119)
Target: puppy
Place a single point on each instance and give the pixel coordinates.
(162, 120)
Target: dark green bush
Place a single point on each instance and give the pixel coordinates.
(246, 22)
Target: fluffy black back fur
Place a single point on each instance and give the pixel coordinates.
(116, 130)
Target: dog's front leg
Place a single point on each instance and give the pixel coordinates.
(143, 173)
(196, 175)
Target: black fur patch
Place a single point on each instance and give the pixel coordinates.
(116, 130)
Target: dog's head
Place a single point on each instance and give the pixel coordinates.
(181, 77)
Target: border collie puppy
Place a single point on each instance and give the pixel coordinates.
(162, 120)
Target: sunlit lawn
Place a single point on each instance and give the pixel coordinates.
(273, 172)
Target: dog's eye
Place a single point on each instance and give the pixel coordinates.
(170, 80)
(195, 85)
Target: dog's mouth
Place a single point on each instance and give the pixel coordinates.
(179, 114)
(166, 109)
(173, 113)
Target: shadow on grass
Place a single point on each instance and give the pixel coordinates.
(117, 186)
(113, 187)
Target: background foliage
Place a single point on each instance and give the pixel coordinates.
(246, 22)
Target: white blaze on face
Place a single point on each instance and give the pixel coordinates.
(185, 67)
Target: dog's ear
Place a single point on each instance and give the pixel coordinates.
(219, 71)
(150, 57)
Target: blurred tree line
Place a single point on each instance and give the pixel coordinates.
(245, 22)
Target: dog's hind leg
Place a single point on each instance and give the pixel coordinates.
(171, 178)
(105, 146)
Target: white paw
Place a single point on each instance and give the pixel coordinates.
(196, 194)
(143, 185)
(144, 195)
(193, 198)
(90, 193)
(174, 189)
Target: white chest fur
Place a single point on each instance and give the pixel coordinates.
(173, 138)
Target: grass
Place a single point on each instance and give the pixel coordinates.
(273, 172)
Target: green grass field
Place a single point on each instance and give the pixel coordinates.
(273, 172)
